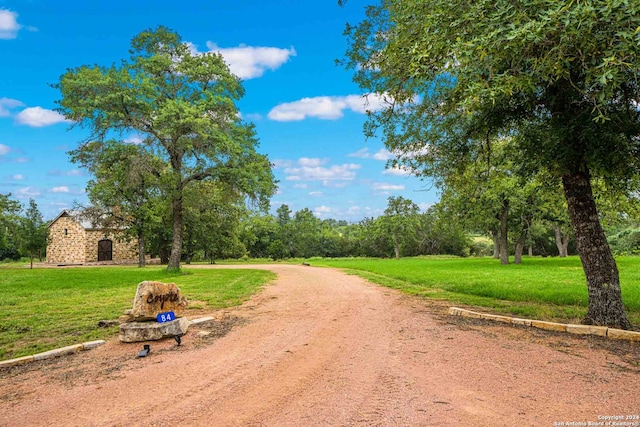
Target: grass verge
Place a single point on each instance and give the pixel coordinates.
(42, 309)
(540, 288)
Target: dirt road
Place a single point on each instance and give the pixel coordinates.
(320, 348)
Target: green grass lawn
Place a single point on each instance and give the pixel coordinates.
(540, 288)
(42, 309)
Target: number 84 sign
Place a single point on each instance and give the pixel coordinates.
(166, 317)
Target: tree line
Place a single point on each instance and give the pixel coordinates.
(23, 232)
(216, 227)
(401, 231)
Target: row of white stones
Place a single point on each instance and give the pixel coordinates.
(602, 331)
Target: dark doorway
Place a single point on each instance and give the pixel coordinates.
(105, 250)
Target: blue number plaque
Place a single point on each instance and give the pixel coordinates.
(166, 317)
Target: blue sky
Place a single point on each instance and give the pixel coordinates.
(308, 113)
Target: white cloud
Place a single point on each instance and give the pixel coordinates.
(7, 104)
(334, 184)
(302, 186)
(316, 193)
(27, 192)
(368, 102)
(363, 153)
(39, 117)
(384, 155)
(423, 151)
(322, 210)
(249, 62)
(72, 172)
(4, 149)
(312, 169)
(354, 210)
(311, 162)
(281, 163)
(325, 107)
(134, 139)
(387, 187)
(397, 171)
(9, 26)
(17, 177)
(61, 189)
(254, 117)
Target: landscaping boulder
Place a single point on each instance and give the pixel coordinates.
(151, 331)
(153, 298)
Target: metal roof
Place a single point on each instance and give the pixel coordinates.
(78, 217)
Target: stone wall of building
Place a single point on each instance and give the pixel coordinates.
(66, 242)
(71, 243)
(122, 250)
(125, 250)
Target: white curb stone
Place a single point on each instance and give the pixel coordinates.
(201, 320)
(58, 352)
(587, 330)
(14, 362)
(52, 353)
(601, 331)
(92, 344)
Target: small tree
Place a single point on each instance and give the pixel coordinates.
(33, 232)
(400, 219)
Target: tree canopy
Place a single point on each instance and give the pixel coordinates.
(561, 78)
(180, 106)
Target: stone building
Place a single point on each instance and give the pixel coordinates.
(74, 240)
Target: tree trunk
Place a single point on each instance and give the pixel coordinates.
(396, 245)
(565, 245)
(142, 254)
(562, 241)
(504, 216)
(164, 255)
(176, 246)
(522, 239)
(496, 244)
(603, 283)
(519, 249)
(530, 250)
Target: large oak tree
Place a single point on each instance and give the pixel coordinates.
(181, 106)
(560, 77)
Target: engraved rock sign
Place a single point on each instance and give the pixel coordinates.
(153, 298)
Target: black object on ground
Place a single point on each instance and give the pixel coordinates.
(146, 349)
(178, 338)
